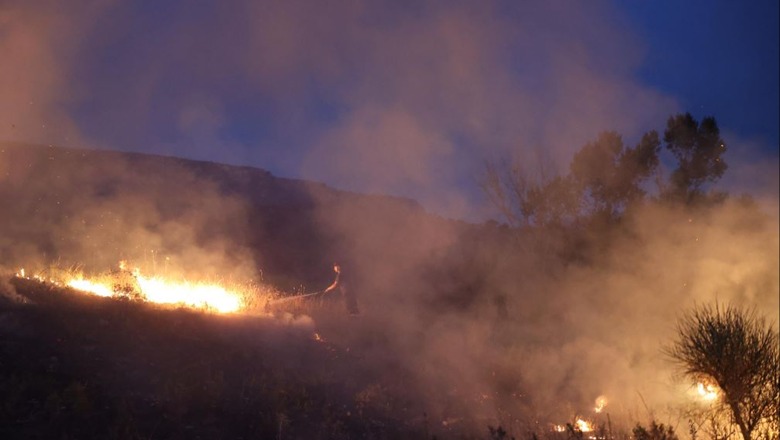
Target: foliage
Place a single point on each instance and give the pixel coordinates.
(736, 350)
(607, 176)
(698, 149)
(525, 201)
(654, 432)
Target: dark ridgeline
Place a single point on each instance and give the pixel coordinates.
(293, 229)
(87, 367)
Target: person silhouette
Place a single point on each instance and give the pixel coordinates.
(344, 285)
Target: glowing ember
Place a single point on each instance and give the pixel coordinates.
(559, 428)
(708, 392)
(601, 402)
(583, 425)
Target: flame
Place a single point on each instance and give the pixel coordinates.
(583, 425)
(154, 289)
(202, 296)
(601, 402)
(90, 287)
(707, 392)
(580, 424)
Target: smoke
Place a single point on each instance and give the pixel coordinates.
(367, 96)
(39, 43)
(482, 324)
(7, 290)
(441, 89)
(513, 330)
(375, 97)
(93, 209)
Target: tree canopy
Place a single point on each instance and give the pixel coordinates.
(607, 176)
(698, 149)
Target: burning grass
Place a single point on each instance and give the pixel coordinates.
(86, 366)
(149, 358)
(125, 283)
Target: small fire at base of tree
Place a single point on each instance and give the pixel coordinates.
(707, 391)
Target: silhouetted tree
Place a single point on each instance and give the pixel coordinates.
(738, 351)
(609, 174)
(605, 177)
(698, 149)
(528, 201)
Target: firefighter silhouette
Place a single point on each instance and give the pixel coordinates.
(345, 288)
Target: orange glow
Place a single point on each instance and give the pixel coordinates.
(580, 424)
(583, 425)
(90, 287)
(708, 392)
(197, 295)
(601, 402)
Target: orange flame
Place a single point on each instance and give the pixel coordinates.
(156, 290)
(601, 402)
(90, 287)
(201, 296)
(583, 425)
(708, 392)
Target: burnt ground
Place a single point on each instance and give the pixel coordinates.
(78, 366)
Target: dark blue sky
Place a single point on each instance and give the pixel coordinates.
(718, 58)
(407, 98)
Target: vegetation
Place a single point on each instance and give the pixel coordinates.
(736, 350)
(607, 176)
(698, 149)
(655, 431)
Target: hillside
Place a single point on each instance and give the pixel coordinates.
(82, 366)
(460, 327)
(95, 207)
(77, 366)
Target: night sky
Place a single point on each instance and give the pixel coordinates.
(397, 97)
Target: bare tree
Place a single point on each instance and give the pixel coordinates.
(530, 198)
(604, 178)
(737, 350)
